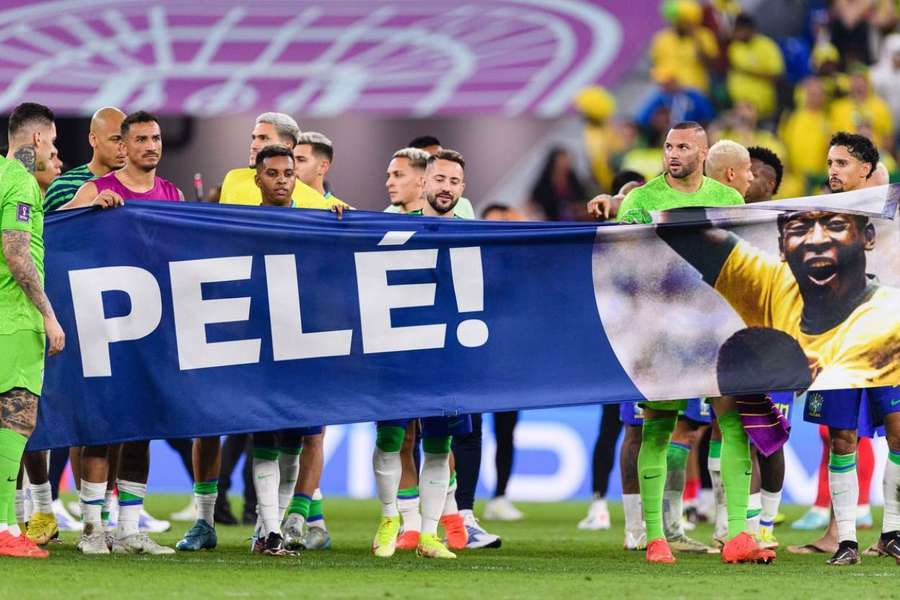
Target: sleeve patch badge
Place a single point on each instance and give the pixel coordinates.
(23, 212)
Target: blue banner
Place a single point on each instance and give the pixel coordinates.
(190, 319)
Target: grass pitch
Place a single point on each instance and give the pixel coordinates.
(544, 556)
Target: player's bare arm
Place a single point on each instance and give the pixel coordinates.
(17, 250)
(87, 195)
(18, 411)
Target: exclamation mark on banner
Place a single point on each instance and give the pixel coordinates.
(468, 282)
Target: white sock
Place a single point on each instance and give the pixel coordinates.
(131, 501)
(433, 489)
(634, 514)
(754, 507)
(206, 507)
(110, 506)
(388, 469)
(891, 493)
(42, 498)
(450, 507)
(3, 527)
(289, 470)
(771, 502)
(673, 504)
(409, 513)
(320, 523)
(721, 526)
(844, 486)
(91, 498)
(21, 517)
(265, 481)
(14, 529)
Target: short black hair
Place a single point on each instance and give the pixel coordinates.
(759, 360)
(423, 141)
(451, 155)
(272, 150)
(745, 20)
(767, 157)
(29, 113)
(140, 116)
(623, 177)
(859, 146)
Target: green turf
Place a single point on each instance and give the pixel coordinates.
(544, 556)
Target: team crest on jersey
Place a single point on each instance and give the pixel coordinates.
(814, 404)
(23, 212)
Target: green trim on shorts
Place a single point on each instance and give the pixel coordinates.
(23, 361)
(678, 406)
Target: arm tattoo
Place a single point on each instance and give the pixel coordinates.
(18, 411)
(27, 156)
(17, 250)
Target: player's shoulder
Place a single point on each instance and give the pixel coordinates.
(236, 176)
(725, 194)
(651, 187)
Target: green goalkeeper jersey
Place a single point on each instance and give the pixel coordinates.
(20, 210)
(658, 195)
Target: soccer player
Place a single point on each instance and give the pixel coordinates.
(819, 292)
(405, 180)
(29, 321)
(431, 145)
(313, 157)
(105, 138)
(444, 184)
(729, 166)
(239, 185)
(136, 180)
(276, 455)
(767, 172)
(683, 184)
(32, 137)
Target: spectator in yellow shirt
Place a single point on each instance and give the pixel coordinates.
(807, 130)
(862, 105)
(755, 65)
(687, 48)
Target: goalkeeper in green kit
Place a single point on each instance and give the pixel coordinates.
(27, 321)
(683, 185)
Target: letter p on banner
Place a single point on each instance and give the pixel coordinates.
(95, 331)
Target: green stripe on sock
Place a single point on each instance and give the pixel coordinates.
(452, 478)
(300, 505)
(715, 448)
(294, 451)
(206, 487)
(753, 512)
(410, 492)
(841, 463)
(315, 510)
(894, 457)
(676, 456)
(125, 497)
(265, 453)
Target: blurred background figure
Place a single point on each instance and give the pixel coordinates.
(558, 192)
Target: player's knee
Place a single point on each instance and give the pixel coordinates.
(437, 445)
(843, 444)
(389, 438)
(262, 453)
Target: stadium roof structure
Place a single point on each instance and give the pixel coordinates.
(319, 57)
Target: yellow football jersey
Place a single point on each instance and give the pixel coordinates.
(240, 188)
(862, 351)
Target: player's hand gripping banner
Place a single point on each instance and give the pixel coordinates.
(187, 320)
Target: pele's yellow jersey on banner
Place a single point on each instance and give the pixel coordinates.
(239, 187)
(862, 351)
